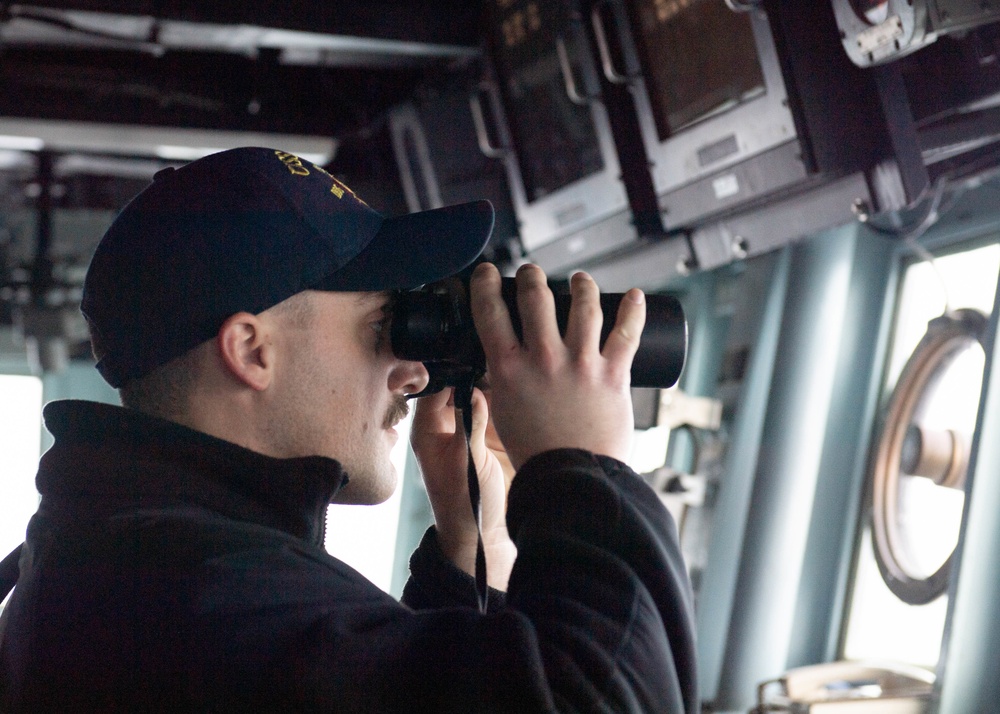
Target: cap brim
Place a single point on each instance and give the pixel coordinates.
(418, 248)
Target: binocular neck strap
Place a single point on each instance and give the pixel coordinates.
(463, 401)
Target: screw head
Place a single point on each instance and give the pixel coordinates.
(861, 209)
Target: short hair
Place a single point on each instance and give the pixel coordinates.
(297, 310)
(165, 392)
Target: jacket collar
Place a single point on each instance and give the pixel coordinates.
(110, 455)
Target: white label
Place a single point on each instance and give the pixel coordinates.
(571, 214)
(726, 186)
(874, 38)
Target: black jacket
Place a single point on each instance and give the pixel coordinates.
(167, 570)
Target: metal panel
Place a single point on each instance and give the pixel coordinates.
(768, 173)
(587, 200)
(650, 267)
(781, 222)
(752, 127)
(573, 251)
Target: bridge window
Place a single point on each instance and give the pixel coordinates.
(897, 607)
(20, 444)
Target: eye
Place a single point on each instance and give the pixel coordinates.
(381, 326)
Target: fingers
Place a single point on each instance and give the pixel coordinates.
(492, 438)
(536, 306)
(480, 417)
(436, 416)
(553, 391)
(432, 416)
(477, 439)
(583, 330)
(489, 313)
(623, 342)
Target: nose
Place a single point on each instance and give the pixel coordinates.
(408, 377)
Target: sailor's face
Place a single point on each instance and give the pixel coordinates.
(344, 391)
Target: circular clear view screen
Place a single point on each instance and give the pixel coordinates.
(930, 496)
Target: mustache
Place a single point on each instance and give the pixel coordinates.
(396, 413)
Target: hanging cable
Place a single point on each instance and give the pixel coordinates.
(939, 198)
(463, 402)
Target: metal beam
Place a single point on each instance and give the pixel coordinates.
(425, 22)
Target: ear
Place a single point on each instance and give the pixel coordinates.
(246, 349)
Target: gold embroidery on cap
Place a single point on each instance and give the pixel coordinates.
(293, 163)
(344, 187)
(339, 187)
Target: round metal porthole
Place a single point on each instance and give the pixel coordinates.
(918, 474)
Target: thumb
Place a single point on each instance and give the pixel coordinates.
(480, 416)
(477, 439)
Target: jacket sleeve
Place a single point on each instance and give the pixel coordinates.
(598, 615)
(436, 582)
(600, 574)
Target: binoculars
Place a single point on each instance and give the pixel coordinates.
(434, 325)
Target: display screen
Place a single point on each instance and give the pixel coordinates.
(555, 139)
(699, 58)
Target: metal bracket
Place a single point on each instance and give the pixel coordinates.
(680, 409)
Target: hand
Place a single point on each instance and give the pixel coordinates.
(438, 441)
(495, 445)
(552, 392)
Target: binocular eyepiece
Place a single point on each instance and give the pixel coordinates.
(434, 325)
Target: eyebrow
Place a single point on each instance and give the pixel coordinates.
(370, 297)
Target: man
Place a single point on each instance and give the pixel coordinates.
(241, 304)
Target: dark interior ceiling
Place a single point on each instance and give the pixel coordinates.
(298, 67)
(103, 82)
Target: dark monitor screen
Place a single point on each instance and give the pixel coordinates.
(699, 58)
(556, 140)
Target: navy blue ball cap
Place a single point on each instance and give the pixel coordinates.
(241, 231)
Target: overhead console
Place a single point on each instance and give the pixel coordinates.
(434, 142)
(941, 60)
(540, 112)
(759, 129)
(624, 125)
(644, 139)
(712, 97)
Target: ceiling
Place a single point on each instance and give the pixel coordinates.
(293, 67)
(97, 95)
